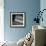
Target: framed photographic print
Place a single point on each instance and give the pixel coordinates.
(17, 19)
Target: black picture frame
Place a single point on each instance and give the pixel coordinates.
(17, 19)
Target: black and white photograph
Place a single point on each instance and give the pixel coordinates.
(17, 19)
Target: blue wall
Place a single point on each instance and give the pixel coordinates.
(28, 6)
(43, 6)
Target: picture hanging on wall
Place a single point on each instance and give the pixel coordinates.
(17, 19)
